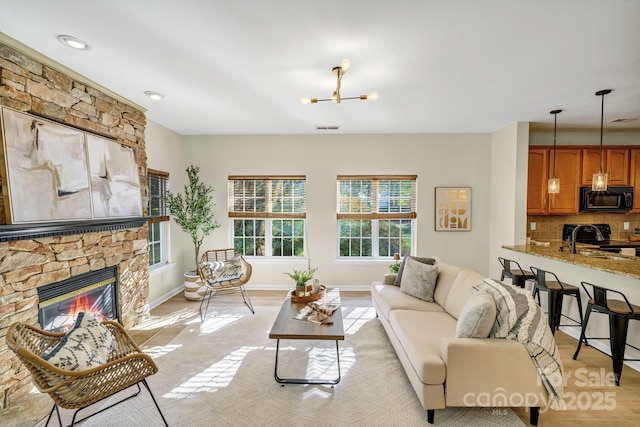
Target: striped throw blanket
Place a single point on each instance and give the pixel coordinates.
(520, 318)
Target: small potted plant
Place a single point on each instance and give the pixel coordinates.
(393, 270)
(301, 277)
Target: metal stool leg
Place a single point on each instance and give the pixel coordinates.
(583, 336)
(618, 326)
(554, 301)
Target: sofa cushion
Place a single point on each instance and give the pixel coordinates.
(389, 297)
(446, 276)
(419, 280)
(477, 317)
(461, 290)
(420, 334)
(422, 260)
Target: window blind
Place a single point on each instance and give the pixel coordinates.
(158, 186)
(255, 196)
(376, 197)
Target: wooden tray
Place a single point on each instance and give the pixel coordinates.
(308, 298)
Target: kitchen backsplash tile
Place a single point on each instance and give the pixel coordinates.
(549, 227)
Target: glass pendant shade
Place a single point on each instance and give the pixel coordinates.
(553, 185)
(599, 181)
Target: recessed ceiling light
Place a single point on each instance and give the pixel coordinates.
(73, 42)
(156, 96)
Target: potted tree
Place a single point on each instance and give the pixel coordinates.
(193, 212)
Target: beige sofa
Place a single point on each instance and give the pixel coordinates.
(448, 371)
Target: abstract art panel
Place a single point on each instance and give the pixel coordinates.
(47, 170)
(453, 208)
(115, 184)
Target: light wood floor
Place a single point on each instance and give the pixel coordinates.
(592, 397)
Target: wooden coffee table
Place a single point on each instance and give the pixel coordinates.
(286, 327)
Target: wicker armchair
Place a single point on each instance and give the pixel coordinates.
(214, 287)
(127, 366)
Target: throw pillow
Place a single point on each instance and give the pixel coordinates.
(398, 279)
(222, 271)
(419, 280)
(86, 345)
(477, 317)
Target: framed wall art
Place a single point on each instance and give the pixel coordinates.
(115, 184)
(452, 208)
(46, 170)
(54, 172)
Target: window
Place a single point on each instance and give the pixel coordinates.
(158, 185)
(376, 215)
(268, 214)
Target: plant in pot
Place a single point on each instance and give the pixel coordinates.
(393, 270)
(301, 277)
(193, 212)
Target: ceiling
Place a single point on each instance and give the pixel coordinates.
(242, 66)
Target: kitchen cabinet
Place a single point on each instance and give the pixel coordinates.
(537, 181)
(635, 178)
(615, 161)
(567, 168)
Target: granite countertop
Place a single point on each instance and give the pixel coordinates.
(623, 265)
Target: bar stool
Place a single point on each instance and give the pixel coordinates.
(619, 314)
(517, 275)
(556, 291)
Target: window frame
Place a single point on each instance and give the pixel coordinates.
(270, 214)
(160, 217)
(372, 212)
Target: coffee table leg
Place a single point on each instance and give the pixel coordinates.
(306, 380)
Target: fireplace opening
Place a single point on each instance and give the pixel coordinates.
(95, 292)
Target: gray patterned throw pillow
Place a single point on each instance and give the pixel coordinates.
(419, 280)
(86, 345)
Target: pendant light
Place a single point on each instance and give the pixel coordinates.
(553, 185)
(600, 179)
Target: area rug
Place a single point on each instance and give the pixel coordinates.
(220, 373)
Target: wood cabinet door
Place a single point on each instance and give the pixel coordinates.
(567, 166)
(591, 163)
(537, 181)
(618, 166)
(635, 179)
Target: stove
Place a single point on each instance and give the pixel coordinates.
(588, 235)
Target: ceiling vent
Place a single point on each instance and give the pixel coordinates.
(622, 120)
(327, 127)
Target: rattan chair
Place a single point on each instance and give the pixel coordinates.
(126, 367)
(215, 287)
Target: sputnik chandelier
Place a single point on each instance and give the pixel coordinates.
(339, 71)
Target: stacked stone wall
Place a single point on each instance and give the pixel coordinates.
(31, 86)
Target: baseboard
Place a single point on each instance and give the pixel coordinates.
(153, 304)
(604, 347)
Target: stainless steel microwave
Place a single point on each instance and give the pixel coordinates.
(613, 199)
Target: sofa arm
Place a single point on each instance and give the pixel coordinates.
(490, 372)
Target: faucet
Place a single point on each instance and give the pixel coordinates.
(571, 242)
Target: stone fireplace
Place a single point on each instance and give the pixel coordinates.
(34, 256)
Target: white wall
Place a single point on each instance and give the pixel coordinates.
(438, 160)
(164, 152)
(508, 210)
